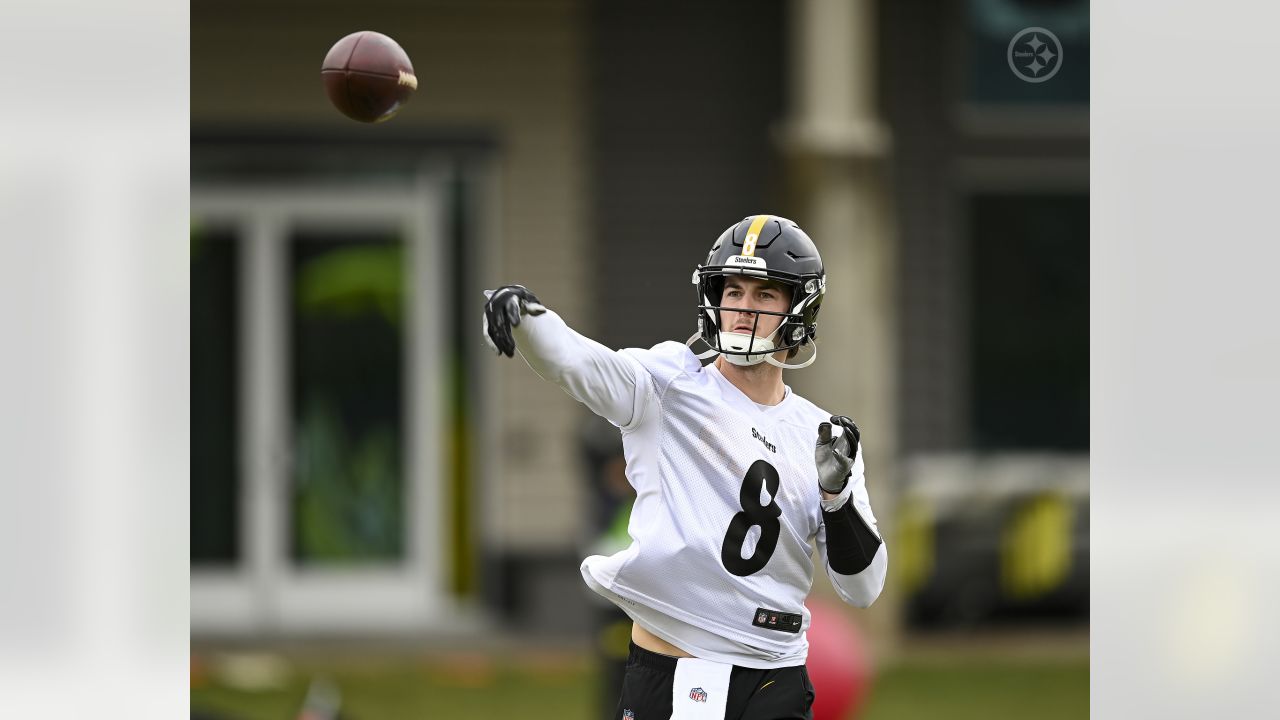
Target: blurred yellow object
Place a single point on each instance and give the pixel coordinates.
(251, 671)
(1035, 548)
(913, 551)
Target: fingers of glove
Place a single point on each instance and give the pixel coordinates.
(511, 309)
(501, 340)
(849, 426)
(824, 433)
(833, 468)
(847, 443)
(488, 339)
(841, 444)
(498, 330)
(844, 446)
(494, 300)
(500, 295)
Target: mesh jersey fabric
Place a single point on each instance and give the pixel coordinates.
(688, 449)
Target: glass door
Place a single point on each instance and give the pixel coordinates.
(315, 474)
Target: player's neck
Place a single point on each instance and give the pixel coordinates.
(761, 382)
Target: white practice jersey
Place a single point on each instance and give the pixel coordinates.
(727, 500)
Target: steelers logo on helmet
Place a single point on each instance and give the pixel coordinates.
(772, 248)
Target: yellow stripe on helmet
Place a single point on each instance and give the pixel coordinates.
(753, 233)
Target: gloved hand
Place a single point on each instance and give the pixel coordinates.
(502, 311)
(835, 456)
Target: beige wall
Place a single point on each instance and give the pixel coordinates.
(511, 69)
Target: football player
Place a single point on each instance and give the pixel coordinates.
(734, 475)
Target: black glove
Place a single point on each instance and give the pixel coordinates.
(502, 311)
(835, 456)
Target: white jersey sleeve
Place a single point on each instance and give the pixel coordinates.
(613, 385)
(861, 589)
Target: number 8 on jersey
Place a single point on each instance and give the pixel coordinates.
(760, 475)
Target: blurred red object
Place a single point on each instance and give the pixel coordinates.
(839, 663)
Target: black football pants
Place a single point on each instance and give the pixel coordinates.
(778, 694)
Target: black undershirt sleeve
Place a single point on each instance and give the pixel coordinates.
(850, 542)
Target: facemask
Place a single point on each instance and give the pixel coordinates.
(741, 342)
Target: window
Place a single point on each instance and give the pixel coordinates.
(1029, 280)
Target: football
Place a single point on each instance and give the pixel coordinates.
(368, 76)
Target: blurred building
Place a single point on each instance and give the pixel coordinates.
(361, 464)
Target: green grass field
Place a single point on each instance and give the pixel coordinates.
(566, 689)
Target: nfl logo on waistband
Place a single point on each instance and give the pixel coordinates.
(698, 695)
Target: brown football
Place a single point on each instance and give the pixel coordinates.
(368, 76)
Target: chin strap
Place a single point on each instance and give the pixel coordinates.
(785, 366)
(767, 358)
(696, 337)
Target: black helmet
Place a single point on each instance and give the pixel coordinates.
(764, 246)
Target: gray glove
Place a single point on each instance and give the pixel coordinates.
(502, 311)
(835, 456)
